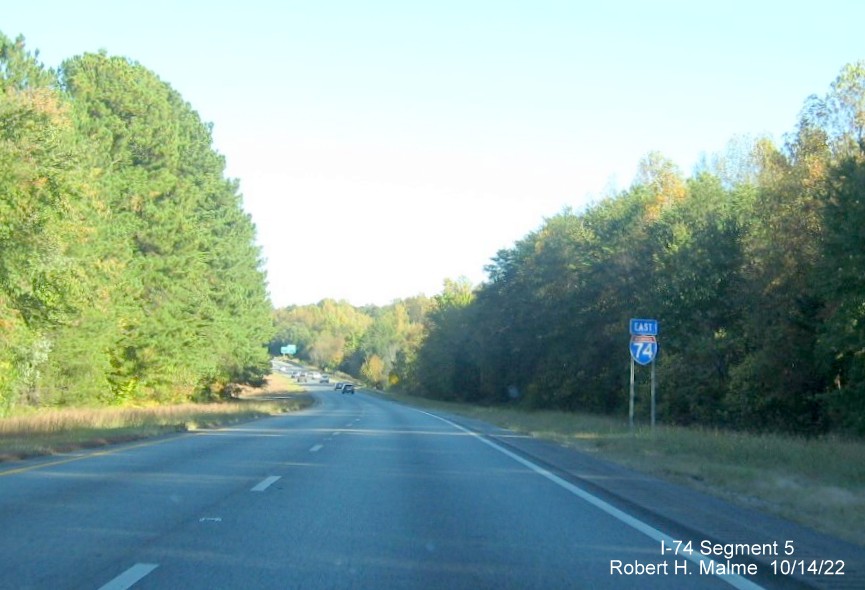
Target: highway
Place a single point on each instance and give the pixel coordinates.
(356, 492)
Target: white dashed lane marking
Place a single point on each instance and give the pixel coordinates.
(265, 483)
(130, 576)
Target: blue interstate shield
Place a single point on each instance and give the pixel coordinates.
(643, 349)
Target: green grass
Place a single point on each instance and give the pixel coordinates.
(51, 431)
(819, 482)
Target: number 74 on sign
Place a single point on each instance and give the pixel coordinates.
(643, 348)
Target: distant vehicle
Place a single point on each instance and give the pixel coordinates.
(339, 385)
(348, 388)
(324, 379)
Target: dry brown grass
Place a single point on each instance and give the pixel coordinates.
(51, 431)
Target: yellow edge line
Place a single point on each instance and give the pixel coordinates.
(88, 456)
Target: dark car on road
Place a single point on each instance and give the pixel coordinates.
(348, 388)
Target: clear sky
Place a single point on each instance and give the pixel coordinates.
(383, 146)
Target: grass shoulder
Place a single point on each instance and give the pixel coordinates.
(52, 431)
(818, 482)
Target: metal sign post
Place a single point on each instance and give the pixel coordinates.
(631, 405)
(653, 395)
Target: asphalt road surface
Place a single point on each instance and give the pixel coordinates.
(357, 492)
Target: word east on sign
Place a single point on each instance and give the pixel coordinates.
(644, 327)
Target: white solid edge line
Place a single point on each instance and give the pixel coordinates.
(265, 483)
(130, 576)
(734, 580)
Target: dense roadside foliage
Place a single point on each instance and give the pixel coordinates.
(754, 267)
(128, 269)
(129, 272)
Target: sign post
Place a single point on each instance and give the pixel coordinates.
(653, 396)
(631, 403)
(654, 354)
(644, 349)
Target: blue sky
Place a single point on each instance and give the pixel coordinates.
(382, 147)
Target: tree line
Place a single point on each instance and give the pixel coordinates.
(754, 266)
(128, 268)
(129, 272)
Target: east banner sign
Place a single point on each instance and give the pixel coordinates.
(644, 327)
